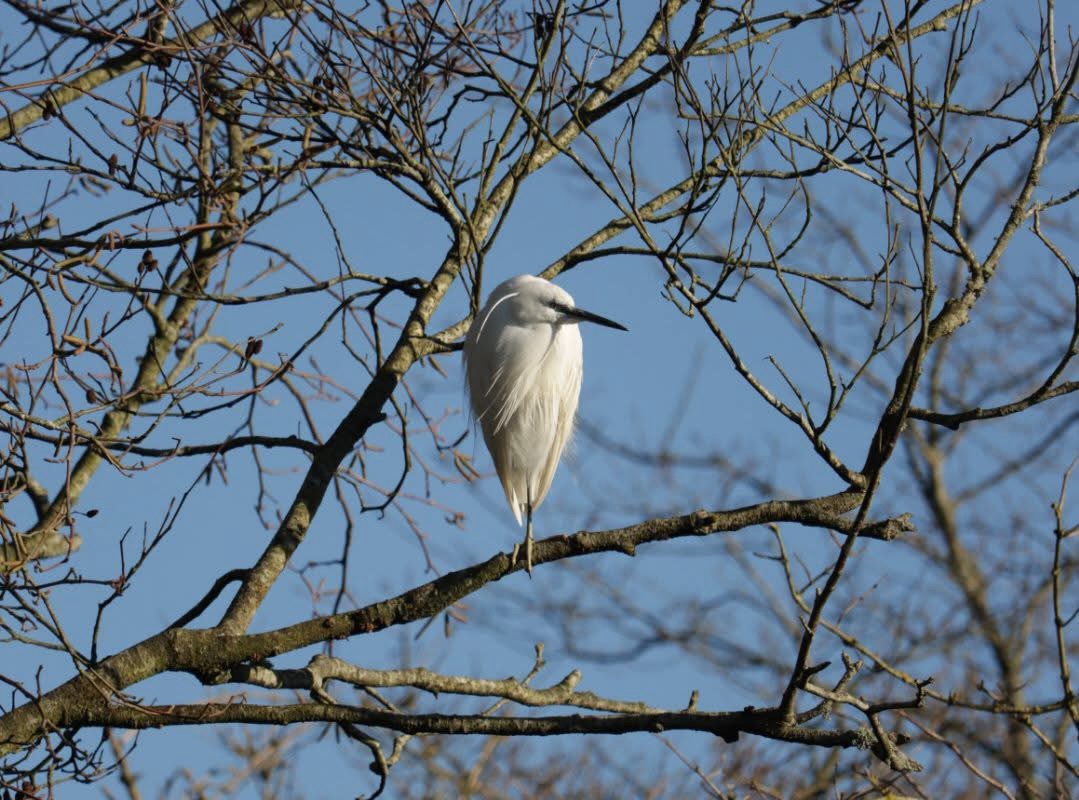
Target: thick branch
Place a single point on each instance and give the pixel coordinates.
(726, 725)
(431, 598)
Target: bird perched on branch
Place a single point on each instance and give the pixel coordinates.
(524, 361)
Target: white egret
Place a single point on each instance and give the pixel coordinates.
(524, 361)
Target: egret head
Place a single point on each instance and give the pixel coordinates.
(534, 301)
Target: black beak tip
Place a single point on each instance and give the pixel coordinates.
(588, 316)
(607, 323)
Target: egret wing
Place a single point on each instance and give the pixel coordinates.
(503, 362)
(566, 391)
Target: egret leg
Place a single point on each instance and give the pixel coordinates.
(527, 542)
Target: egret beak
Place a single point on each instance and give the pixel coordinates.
(587, 316)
